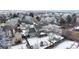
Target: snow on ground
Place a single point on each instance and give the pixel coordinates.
(67, 44)
(36, 41)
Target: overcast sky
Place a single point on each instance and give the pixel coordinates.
(39, 4)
